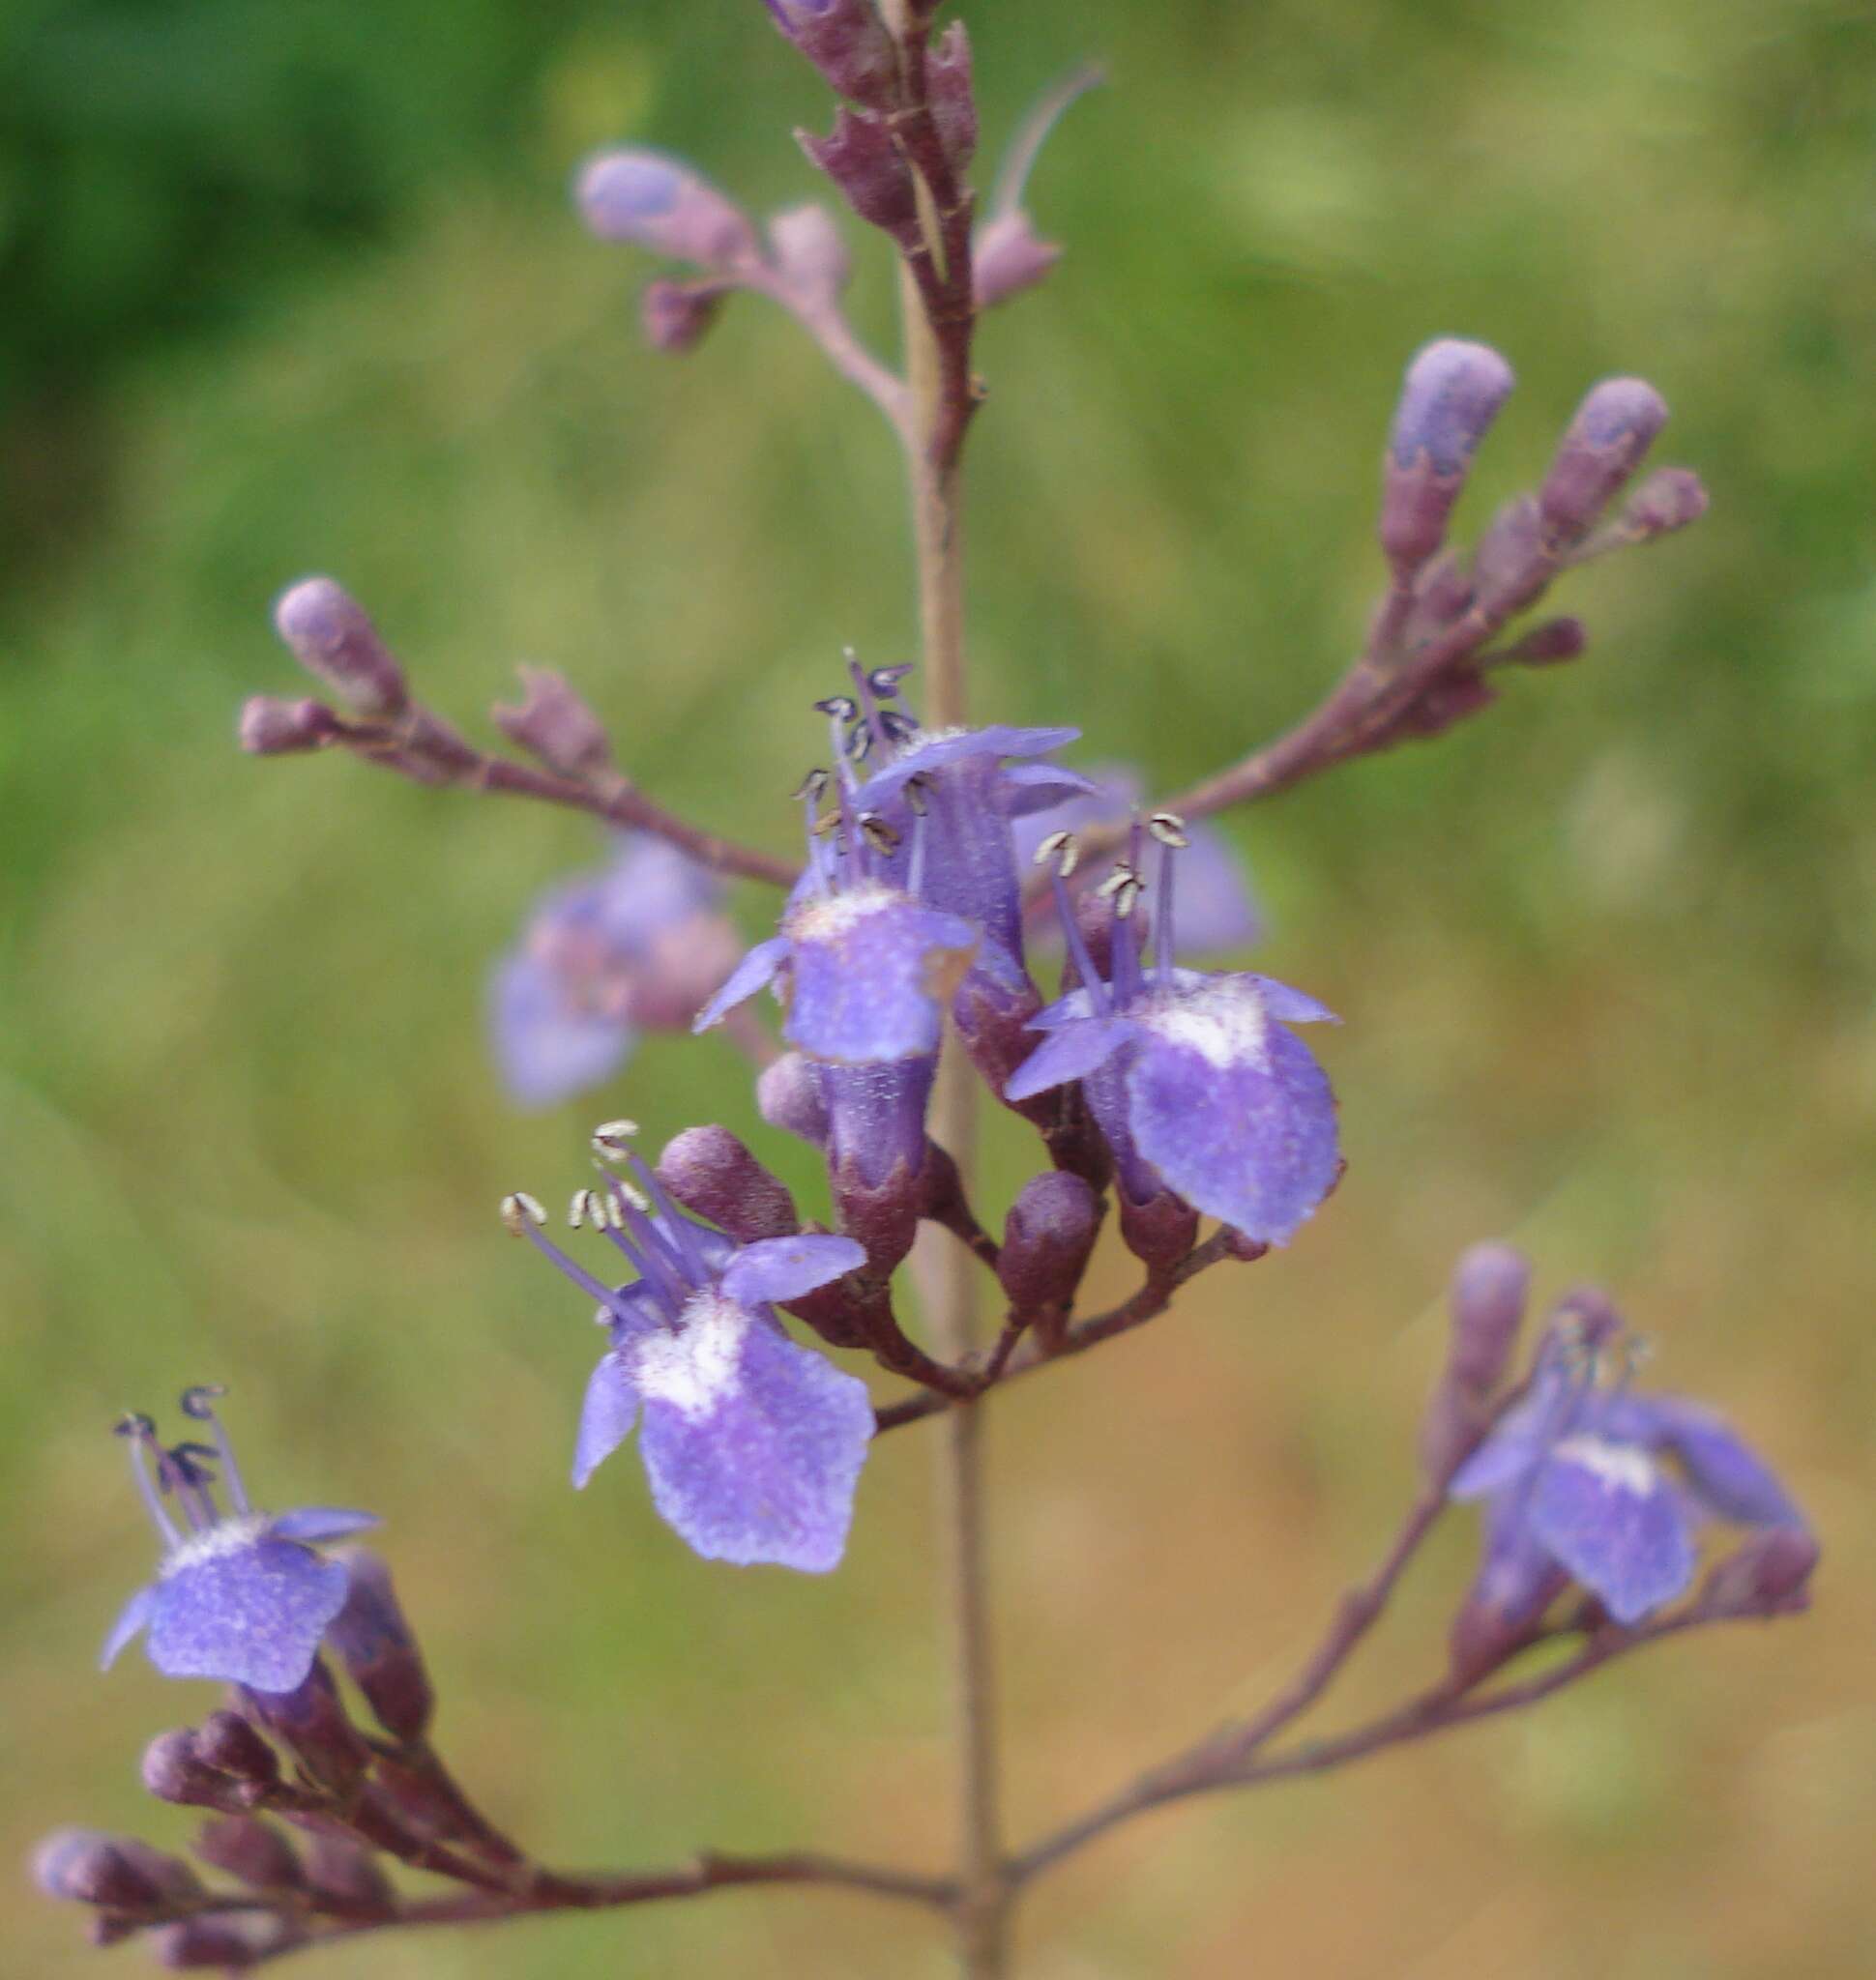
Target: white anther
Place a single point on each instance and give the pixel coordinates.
(1169, 829)
(521, 1209)
(587, 1206)
(1059, 846)
(611, 1140)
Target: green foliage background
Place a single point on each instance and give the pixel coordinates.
(294, 287)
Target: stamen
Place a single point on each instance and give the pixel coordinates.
(611, 1140)
(141, 1433)
(179, 1470)
(1169, 829)
(842, 706)
(899, 726)
(811, 788)
(1162, 915)
(589, 1205)
(653, 1254)
(199, 1403)
(595, 1289)
(519, 1210)
(1124, 887)
(676, 1226)
(878, 834)
(918, 795)
(1098, 998)
(885, 681)
(618, 1187)
(1061, 847)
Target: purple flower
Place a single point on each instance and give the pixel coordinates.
(1597, 1485)
(1218, 912)
(635, 947)
(1192, 1078)
(240, 1595)
(753, 1445)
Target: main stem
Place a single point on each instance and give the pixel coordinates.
(982, 1905)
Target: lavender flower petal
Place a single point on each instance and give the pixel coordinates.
(1728, 1477)
(757, 969)
(870, 974)
(606, 1417)
(132, 1619)
(785, 1267)
(320, 1523)
(251, 1612)
(1234, 1113)
(1610, 1515)
(753, 1445)
(1071, 1052)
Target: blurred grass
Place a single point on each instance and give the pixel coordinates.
(1604, 955)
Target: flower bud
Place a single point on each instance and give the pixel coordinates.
(1670, 499)
(553, 723)
(198, 1943)
(271, 726)
(1770, 1575)
(653, 201)
(1543, 646)
(1512, 566)
(811, 252)
(713, 1174)
(253, 1850)
(328, 632)
(311, 1724)
(1452, 393)
(347, 1877)
(847, 42)
(372, 1638)
(120, 1873)
(1008, 257)
(861, 160)
(174, 1772)
(947, 89)
(788, 1095)
(1047, 1239)
(675, 316)
(227, 1743)
(1614, 428)
(1486, 1299)
(1159, 1231)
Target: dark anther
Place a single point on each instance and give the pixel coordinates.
(134, 1423)
(898, 724)
(812, 785)
(198, 1401)
(885, 681)
(917, 794)
(182, 1466)
(860, 741)
(839, 706)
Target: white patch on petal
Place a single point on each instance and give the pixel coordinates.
(1224, 1024)
(826, 918)
(1619, 1465)
(695, 1367)
(224, 1537)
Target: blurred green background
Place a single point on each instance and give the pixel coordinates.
(294, 287)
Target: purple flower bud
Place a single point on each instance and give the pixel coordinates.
(84, 1867)
(1159, 1231)
(676, 316)
(1442, 593)
(1511, 564)
(1770, 1575)
(1543, 646)
(1008, 257)
(311, 1721)
(1614, 428)
(1048, 1240)
(811, 252)
(1487, 1297)
(788, 1095)
(226, 1741)
(861, 160)
(847, 42)
(713, 1174)
(653, 201)
(173, 1770)
(948, 89)
(1669, 500)
(253, 1850)
(271, 726)
(346, 1876)
(1451, 394)
(228, 1945)
(372, 1638)
(553, 723)
(328, 632)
